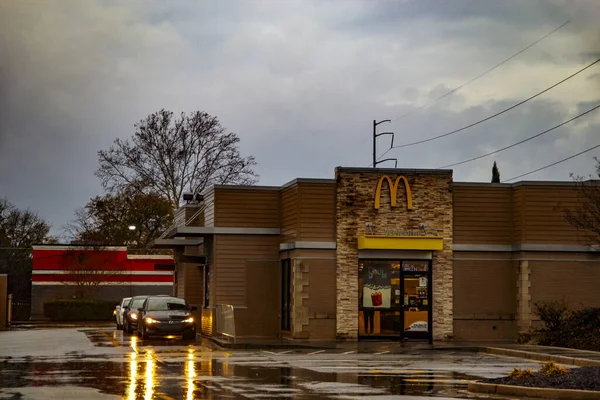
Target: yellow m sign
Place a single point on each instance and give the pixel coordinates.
(393, 191)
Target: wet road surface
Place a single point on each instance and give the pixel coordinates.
(103, 363)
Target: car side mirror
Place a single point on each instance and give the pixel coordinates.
(193, 308)
(125, 308)
(140, 309)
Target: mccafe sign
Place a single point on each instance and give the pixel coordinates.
(393, 186)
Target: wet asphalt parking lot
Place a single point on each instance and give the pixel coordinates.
(102, 363)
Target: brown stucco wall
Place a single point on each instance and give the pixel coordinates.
(485, 297)
(432, 204)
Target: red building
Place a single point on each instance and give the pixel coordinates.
(105, 273)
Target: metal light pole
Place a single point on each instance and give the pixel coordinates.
(375, 135)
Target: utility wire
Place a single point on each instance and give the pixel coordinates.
(553, 164)
(482, 74)
(494, 115)
(522, 141)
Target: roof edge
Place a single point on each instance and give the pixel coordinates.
(307, 180)
(395, 170)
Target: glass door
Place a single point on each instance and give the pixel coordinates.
(380, 305)
(286, 295)
(416, 293)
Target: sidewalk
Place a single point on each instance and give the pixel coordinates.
(26, 325)
(366, 346)
(581, 358)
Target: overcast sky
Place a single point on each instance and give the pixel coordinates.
(299, 81)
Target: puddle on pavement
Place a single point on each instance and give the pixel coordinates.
(145, 377)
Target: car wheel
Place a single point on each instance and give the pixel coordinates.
(127, 328)
(145, 335)
(189, 335)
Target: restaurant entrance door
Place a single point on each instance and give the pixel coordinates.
(394, 299)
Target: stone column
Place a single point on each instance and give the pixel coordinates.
(300, 317)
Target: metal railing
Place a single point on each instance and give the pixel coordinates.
(225, 321)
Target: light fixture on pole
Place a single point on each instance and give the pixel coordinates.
(132, 227)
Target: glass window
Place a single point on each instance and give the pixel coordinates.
(166, 303)
(286, 294)
(206, 286)
(136, 303)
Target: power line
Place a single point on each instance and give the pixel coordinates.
(482, 74)
(522, 141)
(553, 164)
(494, 115)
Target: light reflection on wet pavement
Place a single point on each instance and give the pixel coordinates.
(183, 370)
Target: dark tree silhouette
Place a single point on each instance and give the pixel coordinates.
(105, 220)
(19, 230)
(495, 173)
(586, 215)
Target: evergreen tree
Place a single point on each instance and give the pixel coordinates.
(495, 174)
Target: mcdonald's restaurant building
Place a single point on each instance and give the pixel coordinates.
(380, 254)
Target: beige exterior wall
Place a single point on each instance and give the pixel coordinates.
(432, 204)
(484, 291)
(514, 248)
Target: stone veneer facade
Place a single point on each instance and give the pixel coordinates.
(355, 205)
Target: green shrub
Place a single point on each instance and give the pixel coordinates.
(79, 310)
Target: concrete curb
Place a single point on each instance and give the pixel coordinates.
(490, 388)
(531, 355)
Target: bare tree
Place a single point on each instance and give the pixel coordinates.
(169, 155)
(87, 267)
(586, 215)
(19, 230)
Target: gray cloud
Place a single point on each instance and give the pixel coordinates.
(299, 81)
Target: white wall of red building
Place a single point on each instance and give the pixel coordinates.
(52, 274)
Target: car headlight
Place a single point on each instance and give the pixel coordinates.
(151, 321)
(189, 320)
(134, 316)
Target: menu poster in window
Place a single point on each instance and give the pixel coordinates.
(377, 287)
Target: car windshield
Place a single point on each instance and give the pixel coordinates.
(165, 304)
(137, 303)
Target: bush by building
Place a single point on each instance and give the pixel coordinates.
(79, 310)
(562, 327)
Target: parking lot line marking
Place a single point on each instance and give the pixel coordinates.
(382, 352)
(110, 338)
(317, 352)
(350, 352)
(269, 352)
(285, 352)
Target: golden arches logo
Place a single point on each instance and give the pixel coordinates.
(393, 191)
